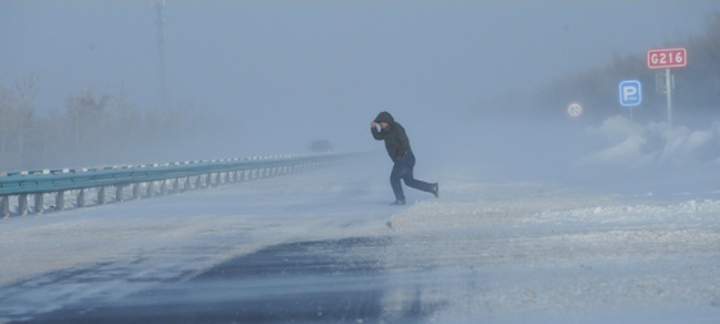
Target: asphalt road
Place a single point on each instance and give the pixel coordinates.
(298, 282)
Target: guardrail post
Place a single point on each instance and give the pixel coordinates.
(39, 203)
(60, 200)
(149, 189)
(208, 180)
(136, 190)
(22, 204)
(101, 196)
(163, 187)
(81, 198)
(5, 206)
(198, 182)
(187, 183)
(176, 186)
(119, 192)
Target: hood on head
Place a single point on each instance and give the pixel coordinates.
(384, 117)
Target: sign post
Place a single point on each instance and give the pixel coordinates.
(666, 58)
(630, 94)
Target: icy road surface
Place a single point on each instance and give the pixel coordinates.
(325, 246)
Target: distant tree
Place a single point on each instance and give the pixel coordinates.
(125, 128)
(89, 124)
(94, 129)
(54, 141)
(702, 74)
(27, 90)
(7, 125)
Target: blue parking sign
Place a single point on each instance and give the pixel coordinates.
(630, 93)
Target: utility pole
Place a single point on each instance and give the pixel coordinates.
(159, 6)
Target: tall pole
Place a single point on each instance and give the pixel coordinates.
(668, 91)
(159, 5)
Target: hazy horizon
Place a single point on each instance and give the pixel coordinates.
(270, 77)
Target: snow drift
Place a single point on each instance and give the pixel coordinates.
(636, 145)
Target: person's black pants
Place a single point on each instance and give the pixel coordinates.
(403, 169)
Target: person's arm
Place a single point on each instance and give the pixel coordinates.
(375, 133)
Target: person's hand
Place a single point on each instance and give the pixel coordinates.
(373, 124)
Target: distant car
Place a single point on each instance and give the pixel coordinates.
(321, 146)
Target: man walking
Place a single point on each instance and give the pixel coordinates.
(398, 147)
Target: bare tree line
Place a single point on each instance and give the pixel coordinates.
(94, 129)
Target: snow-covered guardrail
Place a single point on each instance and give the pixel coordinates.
(15, 187)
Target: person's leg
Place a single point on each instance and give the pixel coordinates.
(417, 184)
(410, 180)
(398, 172)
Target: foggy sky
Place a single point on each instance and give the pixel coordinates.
(324, 69)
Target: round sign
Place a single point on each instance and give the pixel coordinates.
(574, 109)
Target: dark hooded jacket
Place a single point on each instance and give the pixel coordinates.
(396, 141)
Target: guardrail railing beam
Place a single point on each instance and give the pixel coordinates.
(194, 175)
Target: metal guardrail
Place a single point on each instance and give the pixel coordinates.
(16, 186)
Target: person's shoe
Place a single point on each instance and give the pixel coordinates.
(436, 190)
(398, 203)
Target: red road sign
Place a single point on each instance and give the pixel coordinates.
(662, 58)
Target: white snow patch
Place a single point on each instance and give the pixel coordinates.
(656, 143)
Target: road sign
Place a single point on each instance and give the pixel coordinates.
(662, 58)
(666, 58)
(574, 109)
(630, 93)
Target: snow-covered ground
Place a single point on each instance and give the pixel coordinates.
(487, 250)
(562, 255)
